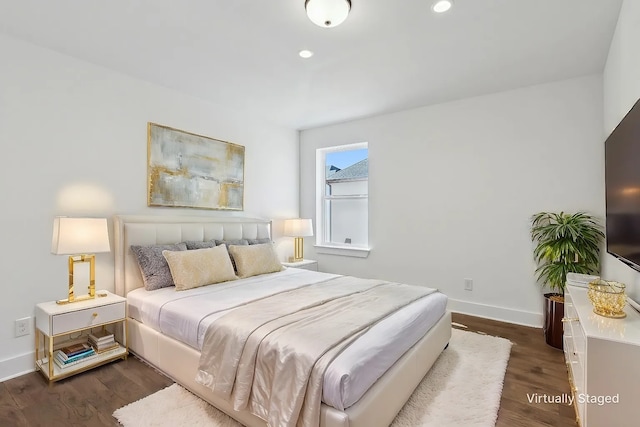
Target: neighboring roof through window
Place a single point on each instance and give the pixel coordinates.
(357, 171)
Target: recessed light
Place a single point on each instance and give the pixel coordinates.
(441, 6)
(305, 54)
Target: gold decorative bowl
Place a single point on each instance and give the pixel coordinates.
(608, 298)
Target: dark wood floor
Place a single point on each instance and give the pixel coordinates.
(90, 398)
(534, 367)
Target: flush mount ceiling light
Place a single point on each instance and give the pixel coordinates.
(327, 13)
(304, 53)
(441, 6)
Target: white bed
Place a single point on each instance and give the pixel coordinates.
(357, 380)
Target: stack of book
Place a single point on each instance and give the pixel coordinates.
(73, 354)
(102, 340)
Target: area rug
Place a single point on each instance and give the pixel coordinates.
(463, 388)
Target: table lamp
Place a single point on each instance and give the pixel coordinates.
(298, 228)
(80, 238)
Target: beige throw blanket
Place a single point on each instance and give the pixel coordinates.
(269, 356)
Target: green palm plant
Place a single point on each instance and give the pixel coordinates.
(565, 243)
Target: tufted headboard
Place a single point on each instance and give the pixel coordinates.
(149, 230)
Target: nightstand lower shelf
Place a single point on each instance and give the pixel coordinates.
(100, 359)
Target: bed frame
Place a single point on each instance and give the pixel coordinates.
(377, 407)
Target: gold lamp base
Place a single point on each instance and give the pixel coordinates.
(298, 251)
(91, 259)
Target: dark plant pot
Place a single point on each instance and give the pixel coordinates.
(553, 314)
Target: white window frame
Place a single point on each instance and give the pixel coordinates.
(322, 245)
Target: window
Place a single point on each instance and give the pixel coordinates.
(343, 197)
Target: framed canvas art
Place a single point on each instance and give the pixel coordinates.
(193, 171)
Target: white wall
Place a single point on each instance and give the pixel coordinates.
(452, 188)
(74, 142)
(621, 91)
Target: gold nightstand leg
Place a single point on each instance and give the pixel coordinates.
(125, 324)
(50, 358)
(37, 334)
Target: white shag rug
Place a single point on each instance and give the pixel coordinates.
(463, 388)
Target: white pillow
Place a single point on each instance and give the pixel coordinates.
(252, 260)
(199, 267)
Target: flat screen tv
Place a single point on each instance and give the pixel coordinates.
(622, 182)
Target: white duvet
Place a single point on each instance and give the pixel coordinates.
(186, 315)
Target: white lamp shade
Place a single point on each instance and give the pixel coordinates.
(74, 236)
(298, 227)
(327, 13)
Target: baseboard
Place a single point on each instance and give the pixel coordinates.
(502, 314)
(17, 366)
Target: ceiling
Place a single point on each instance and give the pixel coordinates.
(387, 56)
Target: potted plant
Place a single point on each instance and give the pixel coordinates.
(565, 243)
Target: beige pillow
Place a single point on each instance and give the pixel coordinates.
(199, 267)
(255, 259)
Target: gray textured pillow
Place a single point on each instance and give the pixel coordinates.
(195, 244)
(259, 241)
(242, 242)
(229, 243)
(153, 266)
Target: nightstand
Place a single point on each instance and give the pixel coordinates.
(305, 264)
(60, 325)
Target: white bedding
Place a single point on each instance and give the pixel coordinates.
(186, 315)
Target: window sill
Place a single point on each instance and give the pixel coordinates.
(343, 250)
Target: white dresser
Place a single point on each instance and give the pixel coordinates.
(603, 360)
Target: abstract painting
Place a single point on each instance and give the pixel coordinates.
(193, 171)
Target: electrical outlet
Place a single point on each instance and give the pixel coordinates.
(468, 284)
(22, 326)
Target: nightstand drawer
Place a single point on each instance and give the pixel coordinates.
(74, 320)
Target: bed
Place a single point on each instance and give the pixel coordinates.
(361, 387)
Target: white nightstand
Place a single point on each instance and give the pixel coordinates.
(59, 325)
(305, 264)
